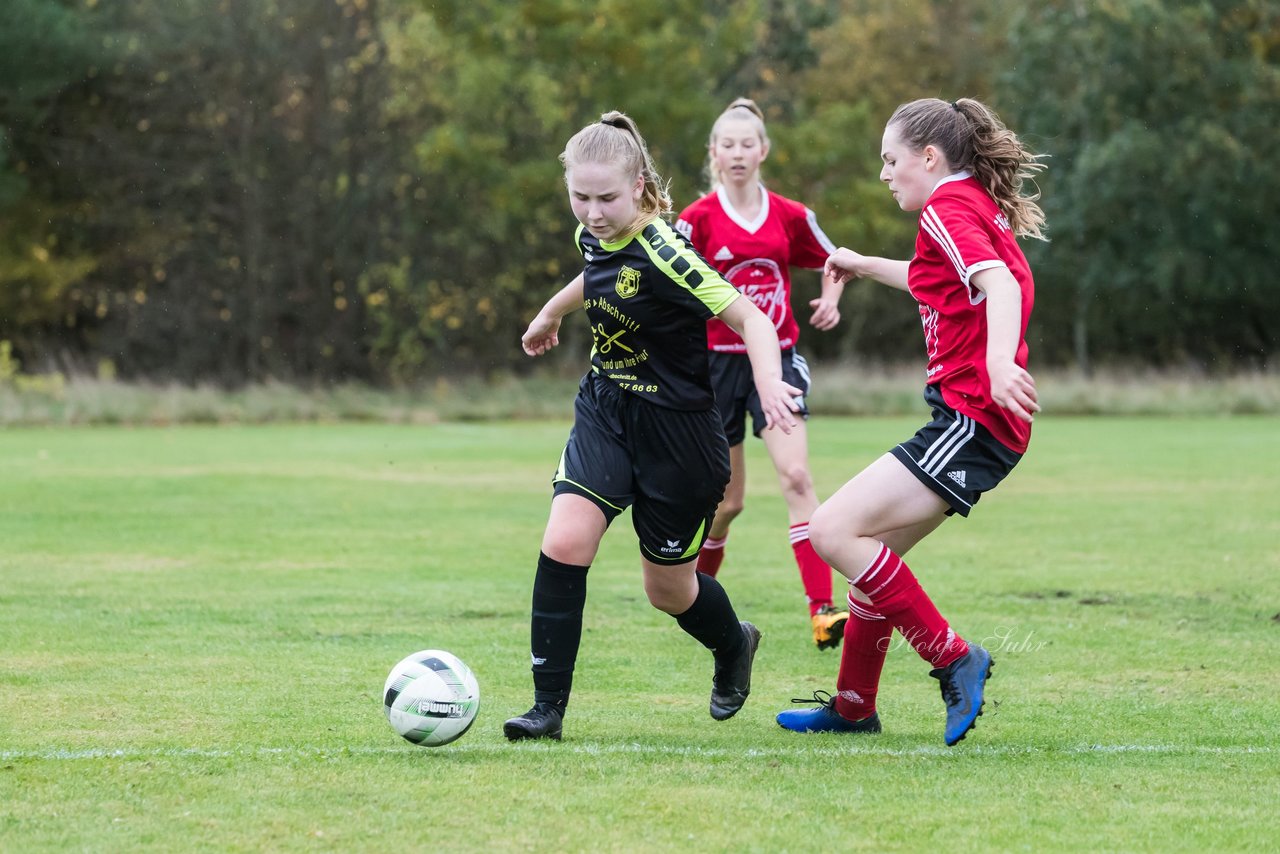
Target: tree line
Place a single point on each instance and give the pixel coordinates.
(242, 190)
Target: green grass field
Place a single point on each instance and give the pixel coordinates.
(196, 622)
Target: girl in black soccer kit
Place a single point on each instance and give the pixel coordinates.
(646, 433)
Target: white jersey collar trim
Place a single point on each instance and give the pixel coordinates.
(730, 211)
(955, 176)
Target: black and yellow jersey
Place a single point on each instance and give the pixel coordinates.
(648, 299)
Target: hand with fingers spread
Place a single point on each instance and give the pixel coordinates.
(826, 314)
(778, 400)
(1014, 389)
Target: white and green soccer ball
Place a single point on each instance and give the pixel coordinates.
(431, 697)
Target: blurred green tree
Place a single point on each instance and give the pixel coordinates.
(1160, 190)
(496, 89)
(873, 56)
(45, 51)
(248, 189)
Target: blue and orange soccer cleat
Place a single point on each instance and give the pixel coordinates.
(828, 626)
(825, 718)
(963, 682)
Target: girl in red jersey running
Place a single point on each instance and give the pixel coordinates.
(753, 237)
(963, 170)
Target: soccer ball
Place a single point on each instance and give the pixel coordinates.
(431, 698)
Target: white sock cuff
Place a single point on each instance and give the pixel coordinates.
(877, 563)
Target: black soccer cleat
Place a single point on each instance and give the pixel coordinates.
(732, 681)
(542, 721)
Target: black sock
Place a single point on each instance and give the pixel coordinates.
(711, 620)
(559, 592)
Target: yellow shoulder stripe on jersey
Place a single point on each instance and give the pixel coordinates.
(675, 258)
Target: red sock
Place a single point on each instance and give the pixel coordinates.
(896, 594)
(815, 575)
(712, 555)
(866, 642)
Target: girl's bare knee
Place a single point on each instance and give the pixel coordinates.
(796, 480)
(824, 529)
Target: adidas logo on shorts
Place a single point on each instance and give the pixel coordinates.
(957, 476)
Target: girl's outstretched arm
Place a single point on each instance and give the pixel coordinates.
(544, 331)
(845, 264)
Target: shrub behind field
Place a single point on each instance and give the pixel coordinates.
(837, 390)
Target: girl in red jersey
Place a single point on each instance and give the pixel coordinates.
(753, 237)
(963, 170)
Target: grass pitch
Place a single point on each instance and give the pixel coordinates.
(196, 623)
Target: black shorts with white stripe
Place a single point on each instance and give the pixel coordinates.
(955, 456)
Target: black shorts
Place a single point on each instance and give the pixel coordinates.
(736, 395)
(955, 456)
(672, 465)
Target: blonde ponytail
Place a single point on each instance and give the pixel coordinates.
(615, 139)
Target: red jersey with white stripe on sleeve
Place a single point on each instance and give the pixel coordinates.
(756, 257)
(962, 232)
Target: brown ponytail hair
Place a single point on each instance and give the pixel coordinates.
(741, 108)
(615, 139)
(971, 136)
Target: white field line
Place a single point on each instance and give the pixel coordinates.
(598, 749)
